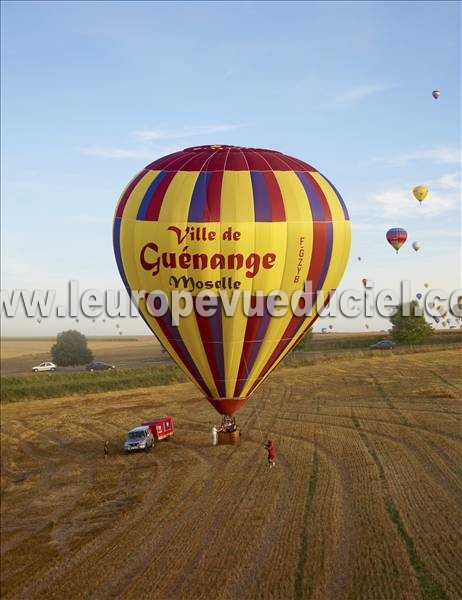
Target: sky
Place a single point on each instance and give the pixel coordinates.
(93, 91)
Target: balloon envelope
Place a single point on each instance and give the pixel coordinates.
(416, 246)
(396, 237)
(436, 94)
(420, 192)
(222, 219)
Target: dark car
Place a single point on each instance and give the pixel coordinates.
(99, 366)
(383, 345)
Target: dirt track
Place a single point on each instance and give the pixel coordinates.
(364, 502)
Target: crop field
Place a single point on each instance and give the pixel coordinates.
(20, 355)
(15, 347)
(364, 502)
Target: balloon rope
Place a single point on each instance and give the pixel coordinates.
(258, 421)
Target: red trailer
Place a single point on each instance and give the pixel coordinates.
(161, 429)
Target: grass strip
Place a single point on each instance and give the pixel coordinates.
(303, 555)
(54, 385)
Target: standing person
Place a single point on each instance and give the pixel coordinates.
(271, 454)
(106, 449)
(214, 432)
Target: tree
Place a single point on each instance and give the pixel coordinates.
(71, 349)
(304, 345)
(412, 329)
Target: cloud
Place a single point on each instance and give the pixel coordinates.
(447, 155)
(150, 141)
(155, 135)
(400, 201)
(85, 220)
(361, 92)
(451, 181)
(116, 152)
(361, 226)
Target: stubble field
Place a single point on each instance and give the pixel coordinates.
(364, 501)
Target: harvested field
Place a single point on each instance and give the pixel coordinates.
(364, 501)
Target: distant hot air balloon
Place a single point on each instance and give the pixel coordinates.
(364, 280)
(117, 326)
(396, 237)
(420, 192)
(426, 285)
(367, 326)
(418, 296)
(444, 324)
(416, 246)
(331, 327)
(104, 320)
(359, 258)
(223, 219)
(436, 94)
(436, 319)
(76, 320)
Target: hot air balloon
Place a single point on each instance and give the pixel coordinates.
(359, 258)
(331, 327)
(364, 280)
(426, 285)
(418, 296)
(444, 324)
(367, 326)
(416, 246)
(396, 237)
(225, 219)
(117, 326)
(436, 94)
(420, 192)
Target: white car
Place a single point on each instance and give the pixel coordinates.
(139, 438)
(46, 366)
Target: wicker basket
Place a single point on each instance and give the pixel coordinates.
(231, 437)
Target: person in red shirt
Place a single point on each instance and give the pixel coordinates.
(271, 454)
